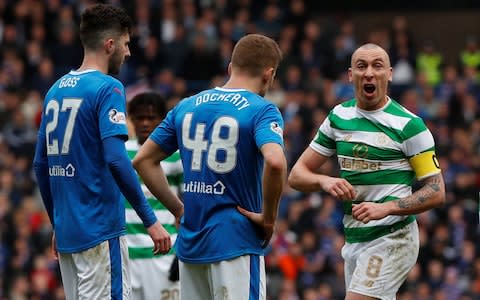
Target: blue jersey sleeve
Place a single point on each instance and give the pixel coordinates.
(112, 118)
(121, 168)
(269, 126)
(165, 134)
(40, 165)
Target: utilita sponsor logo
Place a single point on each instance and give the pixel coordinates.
(60, 171)
(218, 188)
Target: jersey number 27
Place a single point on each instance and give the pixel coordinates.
(53, 107)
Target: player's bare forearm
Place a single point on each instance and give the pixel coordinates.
(305, 179)
(430, 195)
(274, 176)
(154, 178)
(273, 181)
(147, 164)
(303, 176)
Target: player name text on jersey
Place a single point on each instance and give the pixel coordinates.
(236, 99)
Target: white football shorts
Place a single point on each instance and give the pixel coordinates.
(150, 279)
(241, 278)
(101, 272)
(378, 268)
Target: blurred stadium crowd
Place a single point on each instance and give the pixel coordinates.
(180, 47)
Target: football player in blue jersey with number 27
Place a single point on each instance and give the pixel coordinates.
(82, 166)
(231, 144)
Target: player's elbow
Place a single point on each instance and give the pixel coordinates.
(137, 163)
(436, 200)
(439, 198)
(294, 179)
(276, 163)
(274, 159)
(140, 163)
(436, 183)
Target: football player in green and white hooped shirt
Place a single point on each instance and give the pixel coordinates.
(150, 274)
(381, 149)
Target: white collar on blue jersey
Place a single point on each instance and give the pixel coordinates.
(229, 90)
(73, 72)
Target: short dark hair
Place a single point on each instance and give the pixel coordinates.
(100, 21)
(152, 99)
(254, 53)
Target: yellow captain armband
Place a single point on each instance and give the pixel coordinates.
(425, 164)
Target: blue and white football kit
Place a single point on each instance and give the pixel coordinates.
(77, 162)
(219, 133)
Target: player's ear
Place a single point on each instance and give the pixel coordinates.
(350, 79)
(229, 69)
(109, 46)
(268, 75)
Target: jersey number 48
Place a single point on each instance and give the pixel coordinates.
(214, 143)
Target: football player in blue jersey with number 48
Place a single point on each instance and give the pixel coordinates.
(82, 166)
(231, 144)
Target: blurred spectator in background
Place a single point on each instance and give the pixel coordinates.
(403, 60)
(470, 54)
(201, 64)
(430, 62)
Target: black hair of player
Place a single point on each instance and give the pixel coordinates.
(152, 99)
(102, 21)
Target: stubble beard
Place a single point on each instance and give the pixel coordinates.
(114, 64)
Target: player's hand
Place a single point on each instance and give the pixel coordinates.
(339, 188)
(160, 237)
(54, 246)
(178, 219)
(368, 211)
(259, 220)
